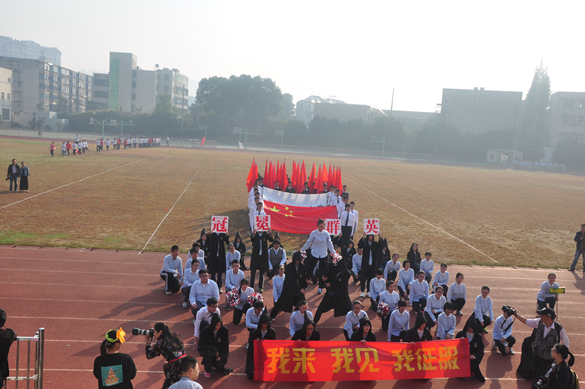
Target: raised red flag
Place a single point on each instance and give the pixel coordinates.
(331, 177)
(277, 174)
(324, 176)
(319, 181)
(312, 180)
(298, 220)
(303, 179)
(339, 180)
(266, 169)
(283, 179)
(251, 178)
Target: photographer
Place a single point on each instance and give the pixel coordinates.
(548, 333)
(113, 367)
(502, 334)
(559, 375)
(170, 346)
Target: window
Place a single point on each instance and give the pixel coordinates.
(166, 88)
(102, 83)
(8, 96)
(2, 95)
(133, 84)
(568, 103)
(100, 94)
(133, 96)
(134, 73)
(166, 77)
(5, 114)
(566, 120)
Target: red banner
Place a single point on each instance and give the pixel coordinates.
(298, 220)
(285, 360)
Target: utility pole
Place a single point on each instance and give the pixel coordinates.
(281, 133)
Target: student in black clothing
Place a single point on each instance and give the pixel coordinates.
(419, 332)
(259, 259)
(7, 337)
(476, 347)
(294, 286)
(307, 331)
(559, 375)
(336, 296)
(306, 189)
(216, 264)
(368, 271)
(347, 253)
(241, 247)
(364, 333)
(262, 332)
(113, 368)
(382, 254)
(414, 257)
(213, 346)
(204, 245)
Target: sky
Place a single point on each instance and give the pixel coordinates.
(355, 51)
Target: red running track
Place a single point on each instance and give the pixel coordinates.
(77, 295)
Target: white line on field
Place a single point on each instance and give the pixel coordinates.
(424, 221)
(170, 210)
(71, 183)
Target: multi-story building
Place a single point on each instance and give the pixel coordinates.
(134, 89)
(42, 86)
(28, 50)
(101, 92)
(5, 94)
(313, 106)
(478, 111)
(413, 120)
(566, 117)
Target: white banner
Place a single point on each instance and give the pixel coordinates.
(333, 226)
(299, 200)
(219, 224)
(371, 226)
(262, 223)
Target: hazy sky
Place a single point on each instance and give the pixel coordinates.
(356, 51)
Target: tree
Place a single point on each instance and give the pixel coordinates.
(533, 134)
(61, 106)
(288, 107)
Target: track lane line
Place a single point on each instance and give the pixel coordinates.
(170, 210)
(424, 221)
(71, 183)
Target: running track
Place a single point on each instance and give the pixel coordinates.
(77, 295)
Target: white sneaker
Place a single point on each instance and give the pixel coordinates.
(220, 291)
(168, 292)
(362, 294)
(185, 305)
(512, 352)
(494, 344)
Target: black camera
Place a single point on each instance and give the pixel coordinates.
(138, 331)
(509, 310)
(542, 383)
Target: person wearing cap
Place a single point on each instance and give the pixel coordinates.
(502, 334)
(113, 368)
(548, 333)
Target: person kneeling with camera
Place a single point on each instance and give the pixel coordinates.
(169, 345)
(559, 376)
(503, 339)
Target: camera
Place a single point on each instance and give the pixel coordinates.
(542, 383)
(509, 310)
(138, 331)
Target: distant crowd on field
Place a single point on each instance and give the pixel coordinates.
(540, 166)
(81, 146)
(396, 290)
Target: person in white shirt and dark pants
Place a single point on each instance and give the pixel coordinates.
(172, 271)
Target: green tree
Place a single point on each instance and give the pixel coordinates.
(533, 134)
(288, 107)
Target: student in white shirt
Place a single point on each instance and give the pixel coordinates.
(253, 315)
(346, 220)
(446, 323)
(231, 256)
(233, 278)
(427, 265)
(502, 333)
(457, 294)
(201, 291)
(356, 261)
(319, 241)
(245, 291)
(391, 298)
(195, 252)
(297, 318)
(278, 283)
(190, 277)
(419, 291)
(442, 279)
(377, 286)
(392, 268)
(484, 314)
(202, 319)
(405, 279)
(355, 216)
(352, 319)
(434, 308)
(399, 323)
(172, 271)
(544, 296)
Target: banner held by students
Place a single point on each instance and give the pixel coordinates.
(285, 360)
(262, 223)
(371, 226)
(219, 224)
(333, 226)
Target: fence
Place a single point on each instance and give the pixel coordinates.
(37, 377)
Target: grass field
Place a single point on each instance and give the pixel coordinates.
(116, 200)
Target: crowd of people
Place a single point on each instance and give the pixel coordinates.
(540, 166)
(81, 146)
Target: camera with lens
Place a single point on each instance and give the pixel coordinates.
(138, 331)
(542, 383)
(509, 310)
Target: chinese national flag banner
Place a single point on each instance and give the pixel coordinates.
(285, 360)
(298, 220)
(220, 224)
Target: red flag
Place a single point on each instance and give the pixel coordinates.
(251, 178)
(319, 181)
(339, 180)
(277, 174)
(300, 181)
(298, 220)
(202, 141)
(293, 176)
(331, 180)
(266, 169)
(283, 180)
(324, 175)
(268, 175)
(255, 172)
(312, 180)
(273, 176)
(303, 176)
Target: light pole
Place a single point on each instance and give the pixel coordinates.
(122, 124)
(103, 123)
(381, 140)
(281, 133)
(238, 130)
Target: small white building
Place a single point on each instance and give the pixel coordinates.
(503, 156)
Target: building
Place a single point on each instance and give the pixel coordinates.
(135, 89)
(478, 111)
(42, 86)
(313, 106)
(5, 95)
(28, 50)
(566, 117)
(101, 92)
(412, 120)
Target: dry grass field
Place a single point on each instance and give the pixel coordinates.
(117, 199)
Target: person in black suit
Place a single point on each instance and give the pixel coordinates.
(364, 333)
(369, 265)
(476, 347)
(308, 332)
(580, 240)
(241, 247)
(204, 245)
(294, 286)
(213, 346)
(414, 257)
(419, 332)
(216, 263)
(12, 174)
(259, 259)
(263, 332)
(337, 294)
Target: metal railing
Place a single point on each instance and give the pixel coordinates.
(37, 377)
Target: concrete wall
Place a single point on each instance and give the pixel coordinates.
(5, 94)
(145, 90)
